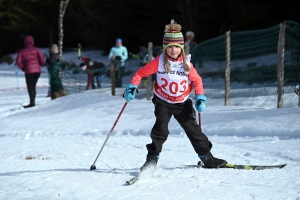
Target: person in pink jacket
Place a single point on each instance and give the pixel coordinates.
(29, 60)
(175, 76)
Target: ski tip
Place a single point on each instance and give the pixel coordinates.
(132, 181)
(128, 183)
(283, 165)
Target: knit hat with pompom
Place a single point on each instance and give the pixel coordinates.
(173, 36)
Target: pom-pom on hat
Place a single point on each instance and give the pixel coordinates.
(173, 36)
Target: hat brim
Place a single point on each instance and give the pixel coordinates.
(174, 44)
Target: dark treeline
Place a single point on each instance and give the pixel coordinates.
(96, 23)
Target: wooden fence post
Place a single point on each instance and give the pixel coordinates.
(280, 66)
(149, 78)
(227, 70)
(187, 47)
(112, 77)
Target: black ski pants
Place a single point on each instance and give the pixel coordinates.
(31, 81)
(184, 113)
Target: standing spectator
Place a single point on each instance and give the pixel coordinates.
(29, 60)
(176, 76)
(118, 54)
(189, 44)
(48, 72)
(54, 66)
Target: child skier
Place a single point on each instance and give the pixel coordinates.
(175, 76)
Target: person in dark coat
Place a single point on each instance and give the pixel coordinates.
(54, 67)
(94, 70)
(29, 60)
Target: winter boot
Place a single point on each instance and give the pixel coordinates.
(98, 81)
(31, 104)
(209, 161)
(151, 162)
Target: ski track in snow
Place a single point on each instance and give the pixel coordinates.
(62, 166)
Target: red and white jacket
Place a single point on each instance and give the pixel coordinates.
(174, 86)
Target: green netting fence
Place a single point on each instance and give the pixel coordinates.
(253, 61)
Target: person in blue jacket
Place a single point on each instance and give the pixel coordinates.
(118, 55)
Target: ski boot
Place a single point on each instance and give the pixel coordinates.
(209, 161)
(151, 162)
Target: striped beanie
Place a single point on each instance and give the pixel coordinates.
(173, 36)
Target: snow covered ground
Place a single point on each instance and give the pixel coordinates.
(46, 151)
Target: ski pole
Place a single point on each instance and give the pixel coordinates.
(199, 118)
(93, 165)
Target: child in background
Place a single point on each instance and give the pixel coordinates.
(54, 66)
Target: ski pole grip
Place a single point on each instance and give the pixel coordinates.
(79, 50)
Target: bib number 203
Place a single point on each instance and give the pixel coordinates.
(174, 87)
